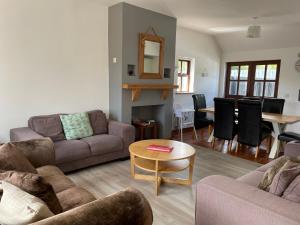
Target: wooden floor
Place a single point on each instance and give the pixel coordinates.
(221, 146)
(175, 204)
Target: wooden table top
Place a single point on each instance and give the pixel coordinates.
(180, 150)
(271, 117)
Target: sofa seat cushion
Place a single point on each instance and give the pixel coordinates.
(71, 150)
(56, 178)
(74, 197)
(253, 178)
(104, 143)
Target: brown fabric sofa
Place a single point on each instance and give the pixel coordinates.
(110, 140)
(80, 207)
(224, 201)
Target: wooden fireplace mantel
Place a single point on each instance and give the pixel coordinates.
(137, 88)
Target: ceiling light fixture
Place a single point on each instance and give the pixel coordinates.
(254, 31)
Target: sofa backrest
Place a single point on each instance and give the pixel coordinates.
(51, 126)
(47, 126)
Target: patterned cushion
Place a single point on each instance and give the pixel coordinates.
(76, 125)
(19, 207)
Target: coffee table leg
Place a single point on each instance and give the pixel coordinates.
(132, 170)
(191, 168)
(157, 183)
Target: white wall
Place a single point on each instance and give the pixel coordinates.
(289, 82)
(53, 58)
(207, 54)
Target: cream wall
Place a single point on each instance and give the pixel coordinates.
(205, 51)
(289, 82)
(53, 58)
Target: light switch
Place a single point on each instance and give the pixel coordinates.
(114, 59)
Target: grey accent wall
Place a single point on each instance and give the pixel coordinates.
(128, 21)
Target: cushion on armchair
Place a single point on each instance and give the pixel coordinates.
(35, 185)
(11, 158)
(284, 177)
(292, 193)
(19, 207)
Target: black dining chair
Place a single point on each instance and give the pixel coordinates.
(200, 118)
(289, 136)
(225, 126)
(253, 98)
(251, 131)
(272, 105)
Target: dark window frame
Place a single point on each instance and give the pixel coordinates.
(251, 77)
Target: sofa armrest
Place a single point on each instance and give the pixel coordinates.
(225, 201)
(125, 207)
(123, 130)
(292, 149)
(23, 134)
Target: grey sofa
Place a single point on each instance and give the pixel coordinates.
(110, 140)
(224, 201)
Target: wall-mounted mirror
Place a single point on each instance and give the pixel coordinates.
(151, 55)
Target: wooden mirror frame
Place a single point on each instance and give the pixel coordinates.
(149, 37)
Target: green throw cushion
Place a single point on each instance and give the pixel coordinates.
(76, 125)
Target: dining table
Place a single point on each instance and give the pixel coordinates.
(279, 122)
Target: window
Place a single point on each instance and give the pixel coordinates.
(184, 79)
(256, 78)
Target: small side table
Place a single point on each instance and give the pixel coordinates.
(142, 126)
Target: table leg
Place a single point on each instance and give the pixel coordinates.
(142, 133)
(132, 169)
(278, 129)
(211, 137)
(157, 183)
(191, 169)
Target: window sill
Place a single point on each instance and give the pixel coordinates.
(184, 93)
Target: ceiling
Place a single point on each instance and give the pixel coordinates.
(228, 20)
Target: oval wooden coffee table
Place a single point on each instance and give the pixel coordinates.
(180, 158)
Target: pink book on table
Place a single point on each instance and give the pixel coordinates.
(159, 148)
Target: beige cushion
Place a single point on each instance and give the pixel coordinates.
(19, 207)
(284, 177)
(270, 173)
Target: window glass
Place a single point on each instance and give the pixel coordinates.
(269, 89)
(233, 87)
(179, 66)
(234, 74)
(243, 88)
(260, 72)
(271, 72)
(244, 72)
(184, 68)
(185, 86)
(258, 88)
